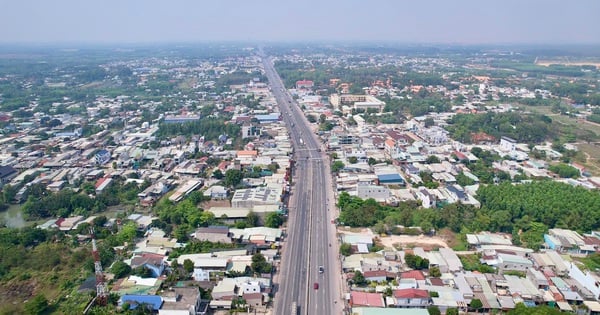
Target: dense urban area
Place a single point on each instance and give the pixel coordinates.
(299, 179)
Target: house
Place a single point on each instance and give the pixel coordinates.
(508, 144)
(537, 278)
(253, 299)
(379, 193)
(358, 298)
(388, 311)
(224, 290)
(260, 236)
(102, 157)
(154, 262)
(304, 84)
(375, 275)
(102, 184)
(7, 173)
(513, 262)
(182, 301)
(362, 242)
(411, 298)
(216, 192)
(256, 196)
(214, 234)
(205, 267)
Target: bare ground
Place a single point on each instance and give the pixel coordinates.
(397, 241)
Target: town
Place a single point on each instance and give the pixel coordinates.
(164, 180)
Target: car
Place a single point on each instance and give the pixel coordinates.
(321, 269)
(316, 286)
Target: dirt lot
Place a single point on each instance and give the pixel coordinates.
(401, 241)
(567, 63)
(215, 203)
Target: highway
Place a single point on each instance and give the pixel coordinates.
(310, 243)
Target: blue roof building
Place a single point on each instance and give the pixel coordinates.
(390, 179)
(152, 301)
(267, 118)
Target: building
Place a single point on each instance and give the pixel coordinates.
(358, 298)
(359, 102)
(411, 298)
(185, 189)
(7, 173)
(181, 119)
(248, 198)
(304, 84)
(102, 157)
(379, 193)
(508, 144)
(102, 184)
(183, 301)
(214, 234)
(216, 192)
(154, 262)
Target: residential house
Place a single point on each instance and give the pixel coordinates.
(7, 173)
(411, 298)
(214, 234)
(375, 275)
(154, 262)
(253, 299)
(182, 301)
(362, 242)
(224, 290)
(537, 278)
(216, 192)
(358, 298)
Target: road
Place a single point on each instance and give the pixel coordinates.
(311, 235)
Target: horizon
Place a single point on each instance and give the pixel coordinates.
(467, 22)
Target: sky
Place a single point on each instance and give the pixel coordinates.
(410, 21)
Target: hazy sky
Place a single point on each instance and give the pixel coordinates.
(443, 21)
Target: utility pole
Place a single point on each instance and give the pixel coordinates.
(101, 288)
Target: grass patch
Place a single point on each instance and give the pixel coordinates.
(472, 263)
(591, 262)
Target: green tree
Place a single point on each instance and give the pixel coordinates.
(428, 122)
(353, 160)
(432, 159)
(252, 219)
(188, 265)
(435, 272)
(120, 269)
(359, 278)
(475, 304)
(232, 177)
(337, 166)
(128, 232)
(379, 228)
(346, 249)
(37, 305)
(564, 170)
(217, 174)
(433, 310)
(259, 264)
(452, 311)
(273, 220)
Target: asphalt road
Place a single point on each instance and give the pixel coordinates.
(311, 235)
